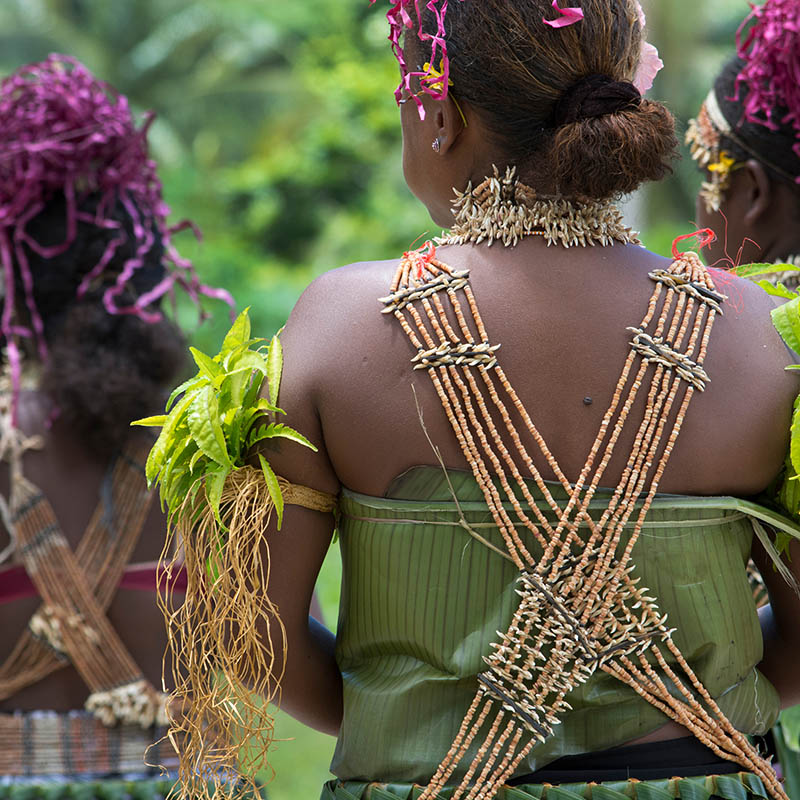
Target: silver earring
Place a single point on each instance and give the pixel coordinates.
(437, 145)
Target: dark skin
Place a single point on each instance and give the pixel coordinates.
(70, 478)
(763, 218)
(561, 317)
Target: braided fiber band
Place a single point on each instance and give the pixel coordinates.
(293, 494)
(49, 745)
(740, 786)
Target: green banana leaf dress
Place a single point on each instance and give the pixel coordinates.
(422, 600)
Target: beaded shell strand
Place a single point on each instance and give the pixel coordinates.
(581, 610)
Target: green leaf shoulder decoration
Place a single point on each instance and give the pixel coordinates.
(218, 509)
(784, 494)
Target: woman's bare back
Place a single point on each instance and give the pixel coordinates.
(70, 477)
(561, 318)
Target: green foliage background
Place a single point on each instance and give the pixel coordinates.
(278, 134)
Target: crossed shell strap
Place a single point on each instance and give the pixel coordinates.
(580, 610)
(76, 589)
(103, 554)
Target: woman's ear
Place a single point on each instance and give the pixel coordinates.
(758, 188)
(450, 123)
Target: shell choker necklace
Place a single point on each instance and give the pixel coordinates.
(505, 209)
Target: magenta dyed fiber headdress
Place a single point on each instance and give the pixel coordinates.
(435, 77)
(771, 75)
(62, 131)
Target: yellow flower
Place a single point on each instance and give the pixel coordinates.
(724, 166)
(435, 77)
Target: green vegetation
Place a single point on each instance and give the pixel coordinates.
(278, 134)
(785, 491)
(214, 419)
(277, 131)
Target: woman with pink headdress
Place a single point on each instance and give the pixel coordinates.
(746, 139)
(86, 258)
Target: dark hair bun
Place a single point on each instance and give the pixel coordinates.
(104, 371)
(612, 154)
(594, 96)
(524, 79)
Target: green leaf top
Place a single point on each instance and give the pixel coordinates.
(273, 486)
(751, 271)
(785, 491)
(151, 422)
(238, 335)
(208, 367)
(786, 319)
(777, 290)
(274, 369)
(214, 418)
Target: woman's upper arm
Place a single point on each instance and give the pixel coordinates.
(779, 624)
(298, 549)
(304, 373)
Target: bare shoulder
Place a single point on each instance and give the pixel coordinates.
(747, 320)
(747, 408)
(344, 290)
(338, 311)
(331, 333)
(337, 315)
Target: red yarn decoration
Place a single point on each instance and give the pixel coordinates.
(421, 257)
(704, 236)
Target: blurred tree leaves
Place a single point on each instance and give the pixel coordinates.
(694, 39)
(277, 131)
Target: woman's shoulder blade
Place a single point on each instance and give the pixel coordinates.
(337, 297)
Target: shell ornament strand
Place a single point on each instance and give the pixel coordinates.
(580, 610)
(504, 209)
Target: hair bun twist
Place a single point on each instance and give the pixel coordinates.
(612, 154)
(594, 96)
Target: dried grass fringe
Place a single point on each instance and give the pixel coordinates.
(227, 644)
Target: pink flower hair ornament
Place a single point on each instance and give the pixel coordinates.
(434, 82)
(771, 75)
(62, 131)
(569, 16)
(650, 63)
